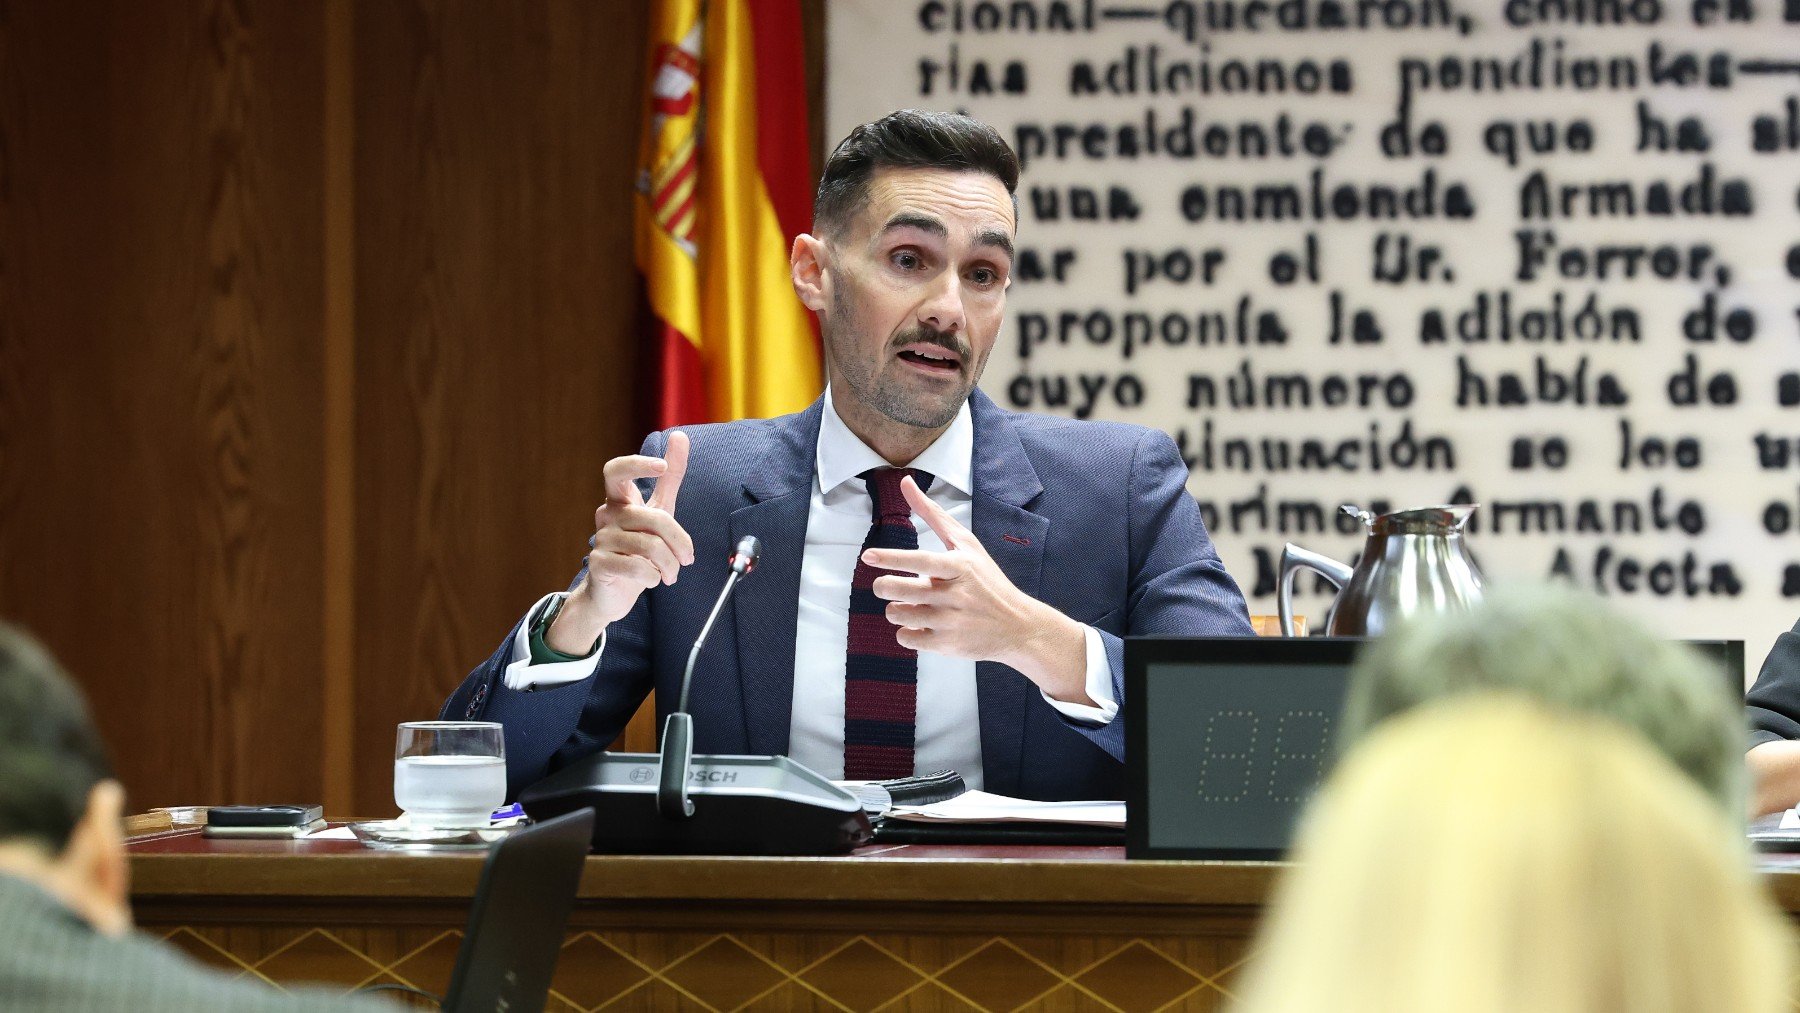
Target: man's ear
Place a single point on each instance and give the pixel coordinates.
(807, 260)
(93, 864)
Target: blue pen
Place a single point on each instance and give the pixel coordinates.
(508, 812)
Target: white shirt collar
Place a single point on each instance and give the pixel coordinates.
(842, 455)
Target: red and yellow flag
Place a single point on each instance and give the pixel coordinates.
(725, 183)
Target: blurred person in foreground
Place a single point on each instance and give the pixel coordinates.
(1570, 651)
(66, 941)
(1491, 854)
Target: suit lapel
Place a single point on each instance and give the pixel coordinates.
(767, 612)
(1005, 484)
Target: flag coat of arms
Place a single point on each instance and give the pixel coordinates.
(725, 183)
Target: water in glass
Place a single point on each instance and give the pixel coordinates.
(449, 790)
(449, 774)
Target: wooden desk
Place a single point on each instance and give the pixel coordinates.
(896, 928)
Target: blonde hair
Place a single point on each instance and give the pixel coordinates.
(1488, 855)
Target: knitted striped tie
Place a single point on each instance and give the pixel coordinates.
(881, 678)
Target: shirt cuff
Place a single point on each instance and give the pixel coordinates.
(534, 664)
(1099, 687)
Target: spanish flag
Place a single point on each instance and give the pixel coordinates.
(725, 183)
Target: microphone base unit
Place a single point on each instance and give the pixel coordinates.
(743, 805)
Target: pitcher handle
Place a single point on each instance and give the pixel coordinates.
(1293, 557)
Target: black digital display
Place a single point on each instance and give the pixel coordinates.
(1227, 738)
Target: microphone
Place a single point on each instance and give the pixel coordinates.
(742, 561)
(749, 550)
(644, 803)
(672, 800)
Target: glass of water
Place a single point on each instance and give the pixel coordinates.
(449, 773)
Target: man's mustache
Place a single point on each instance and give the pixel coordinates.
(931, 336)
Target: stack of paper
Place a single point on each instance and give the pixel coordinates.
(981, 807)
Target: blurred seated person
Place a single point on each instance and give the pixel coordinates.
(1774, 706)
(65, 924)
(1570, 651)
(1490, 854)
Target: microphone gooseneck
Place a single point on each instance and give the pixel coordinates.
(749, 550)
(678, 730)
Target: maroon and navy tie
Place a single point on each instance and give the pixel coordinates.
(881, 678)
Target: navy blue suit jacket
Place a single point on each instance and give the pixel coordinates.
(1090, 517)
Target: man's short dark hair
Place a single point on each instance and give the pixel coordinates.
(50, 752)
(908, 139)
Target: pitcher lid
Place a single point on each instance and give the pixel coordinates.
(1428, 520)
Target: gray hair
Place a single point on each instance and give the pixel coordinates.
(1570, 651)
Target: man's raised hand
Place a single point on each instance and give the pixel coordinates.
(636, 545)
(961, 604)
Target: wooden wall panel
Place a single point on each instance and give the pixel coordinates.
(496, 327)
(317, 322)
(159, 320)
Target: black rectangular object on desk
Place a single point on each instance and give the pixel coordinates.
(743, 805)
(515, 930)
(1014, 832)
(1226, 738)
(921, 789)
(263, 815)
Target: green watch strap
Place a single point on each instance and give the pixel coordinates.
(541, 651)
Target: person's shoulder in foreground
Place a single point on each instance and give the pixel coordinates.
(52, 960)
(66, 942)
(1773, 704)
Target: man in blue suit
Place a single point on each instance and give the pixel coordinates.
(944, 584)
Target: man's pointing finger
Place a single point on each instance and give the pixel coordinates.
(936, 516)
(669, 486)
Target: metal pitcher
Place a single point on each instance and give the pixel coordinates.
(1412, 561)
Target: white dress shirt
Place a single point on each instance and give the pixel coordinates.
(947, 729)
